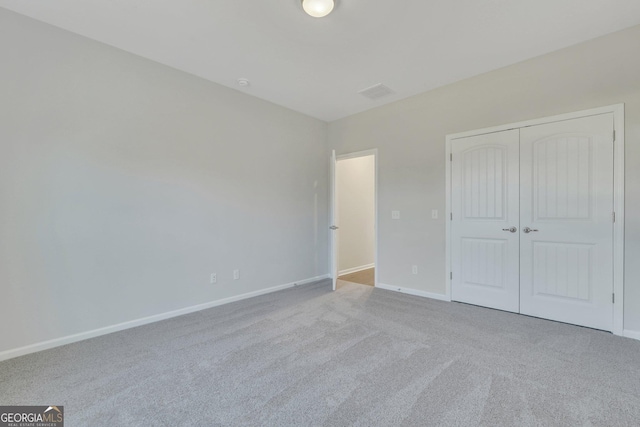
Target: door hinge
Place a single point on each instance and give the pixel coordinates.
(613, 298)
(451, 216)
(451, 275)
(451, 157)
(614, 217)
(614, 136)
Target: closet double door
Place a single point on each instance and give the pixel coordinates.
(532, 226)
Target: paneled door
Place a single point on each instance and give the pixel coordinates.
(566, 208)
(485, 234)
(532, 220)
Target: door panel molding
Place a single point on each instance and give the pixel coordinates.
(618, 196)
(485, 262)
(567, 266)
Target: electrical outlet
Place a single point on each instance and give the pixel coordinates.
(395, 214)
(414, 269)
(434, 214)
(214, 278)
(236, 274)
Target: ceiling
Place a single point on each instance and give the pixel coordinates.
(317, 66)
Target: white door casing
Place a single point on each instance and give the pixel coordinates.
(567, 196)
(334, 211)
(485, 230)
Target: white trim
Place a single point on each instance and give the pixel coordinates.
(448, 218)
(371, 152)
(631, 334)
(618, 190)
(364, 153)
(57, 342)
(416, 292)
(618, 226)
(616, 108)
(356, 269)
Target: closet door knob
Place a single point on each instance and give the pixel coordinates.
(529, 230)
(511, 229)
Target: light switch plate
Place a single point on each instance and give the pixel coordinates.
(434, 214)
(395, 214)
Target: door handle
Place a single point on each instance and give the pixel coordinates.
(511, 229)
(333, 227)
(529, 230)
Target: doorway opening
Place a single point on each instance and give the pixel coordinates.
(354, 218)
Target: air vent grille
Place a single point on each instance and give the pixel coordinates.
(376, 91)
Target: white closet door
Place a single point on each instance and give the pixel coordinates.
(485, 239)
(566, 266)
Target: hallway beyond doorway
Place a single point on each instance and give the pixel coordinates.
(363, 277)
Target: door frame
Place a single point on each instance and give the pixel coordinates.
(618, 195)
(333, 200)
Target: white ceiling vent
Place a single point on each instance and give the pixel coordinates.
(376, 91)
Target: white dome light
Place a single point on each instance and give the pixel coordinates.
(318, 8)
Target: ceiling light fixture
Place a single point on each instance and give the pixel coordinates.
(318, 8)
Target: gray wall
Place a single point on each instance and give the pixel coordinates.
(125, 183)
(410, 137)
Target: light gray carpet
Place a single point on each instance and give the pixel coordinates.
(359, 356)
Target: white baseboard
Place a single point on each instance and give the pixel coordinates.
(416, 292)
(355, 269)
(631, 334)
(57, 342)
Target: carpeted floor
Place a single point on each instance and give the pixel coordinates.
(363, 277)
(358, 356)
